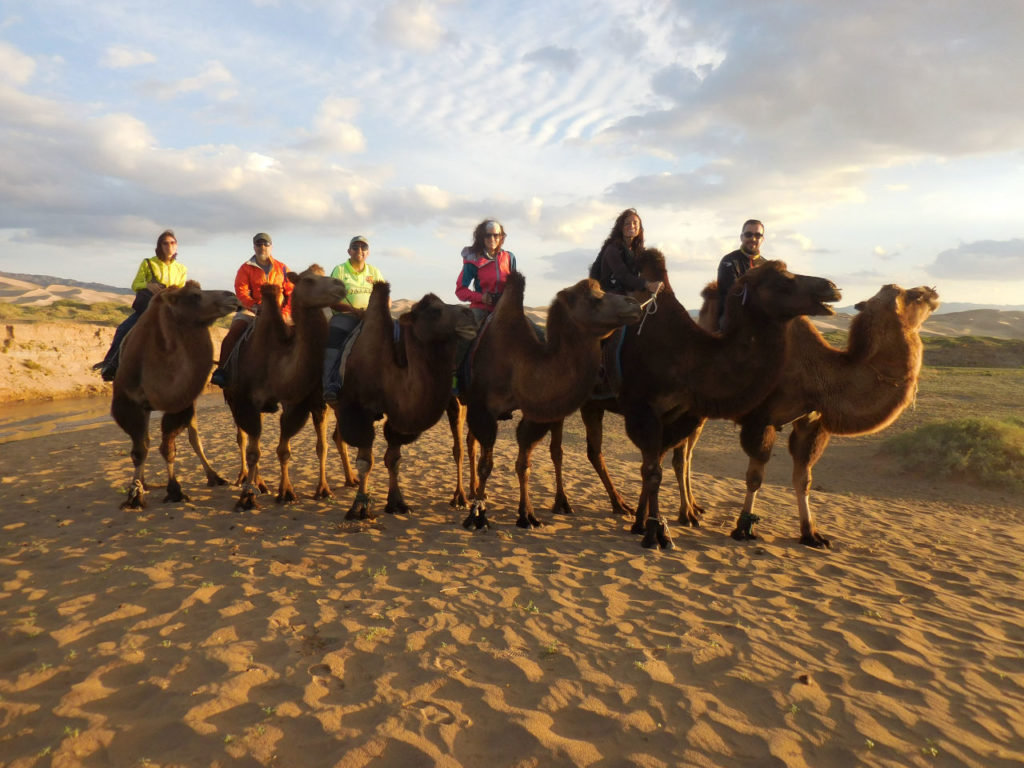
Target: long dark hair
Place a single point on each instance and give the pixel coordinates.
(164, 234)
(477, 248)
(615, 236)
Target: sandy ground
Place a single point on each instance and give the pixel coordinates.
(194, 635)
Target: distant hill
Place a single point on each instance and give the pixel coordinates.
(952, 319)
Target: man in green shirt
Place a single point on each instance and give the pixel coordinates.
(358, 277)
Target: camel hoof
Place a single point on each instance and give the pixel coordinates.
(563, 509)
(664, 540)
(397, 509)
(743, 534)
(215, 479)
(458, 501)
(323, 492)
(361, 508)
(136, 496)
(637, 528)
(689, 519)
(285, 496)
(815, 540)
(246, 501)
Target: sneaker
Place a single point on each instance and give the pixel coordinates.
(219, 378)
(108, 371)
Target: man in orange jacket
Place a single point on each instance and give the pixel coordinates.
(261, 268)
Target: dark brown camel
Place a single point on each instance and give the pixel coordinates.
(408, 380)
(826, 391)
(165, 362)
(279, 363)
(513, 370)
(675, 374)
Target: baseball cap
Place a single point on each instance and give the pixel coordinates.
(358, 239)
(262, 236)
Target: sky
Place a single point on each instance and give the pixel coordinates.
(879, 141)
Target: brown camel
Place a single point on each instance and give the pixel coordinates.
(165, 362)
(675, 374)
(279, 363)
(407, 378)
(513, 369)
(826, 391)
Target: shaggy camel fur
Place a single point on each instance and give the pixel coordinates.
(407, 379)
(279, 363)
(826, 391)
(513, 369)
(165, 362)
(675, 374)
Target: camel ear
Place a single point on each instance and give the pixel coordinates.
(293, 276)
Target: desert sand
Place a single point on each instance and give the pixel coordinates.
(194, 635)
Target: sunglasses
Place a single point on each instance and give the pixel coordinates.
(494, 234)
(755, 235)
(262, 242)
(169, 242)
(360, 247)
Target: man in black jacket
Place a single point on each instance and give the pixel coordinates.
(738, 262)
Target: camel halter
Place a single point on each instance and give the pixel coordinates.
(650, 307)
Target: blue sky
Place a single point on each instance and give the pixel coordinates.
(878, 141)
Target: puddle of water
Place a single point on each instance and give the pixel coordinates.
(24, 421)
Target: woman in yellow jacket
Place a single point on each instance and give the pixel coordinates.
(155, 274)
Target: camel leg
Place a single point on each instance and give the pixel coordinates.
(346, 461)
(392, 460)
(561, 505)
(757, 440)
(319, 413)
(644, 428)
(807, 442)
(484, 429)
(456, 413)
(171, 426)
(593, 421)
(471, 444)
(241, 440)
(252, 424)
(212, 478)
(682, 461)
(528, 434)
(134, 420)
(361, 508)
(293, 418)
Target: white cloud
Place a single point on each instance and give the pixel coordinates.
(214, 80)
(332, 130)
(15, 67)
(411, 24)
(122, 57)
(983, 260)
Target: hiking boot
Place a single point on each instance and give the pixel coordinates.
(219, 377)
(108, 371)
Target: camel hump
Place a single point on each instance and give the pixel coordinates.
(710, 290)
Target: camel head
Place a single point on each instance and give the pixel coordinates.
(191, 305)
(596, 312)
(772, 291)
(431, 320)
(912, 306)
(314, 289)
(650, 265)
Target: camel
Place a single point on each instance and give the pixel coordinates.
(406, 377)
(675, 374)
(546, 381)
(165, 362)
(279, 363)
(826, 391)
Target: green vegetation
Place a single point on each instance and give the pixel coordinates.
(986, 450)
(66, 310)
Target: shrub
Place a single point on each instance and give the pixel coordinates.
(980, 450)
